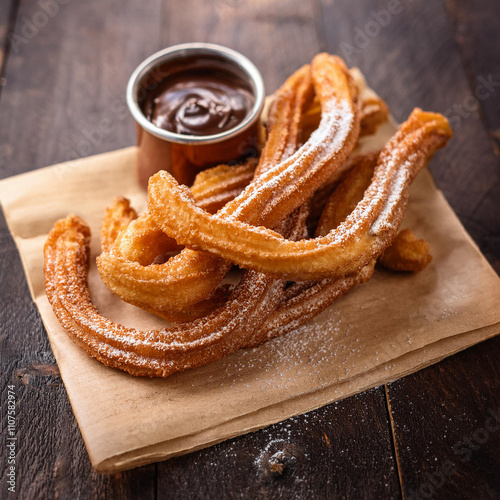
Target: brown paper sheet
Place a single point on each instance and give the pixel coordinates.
(392, 326)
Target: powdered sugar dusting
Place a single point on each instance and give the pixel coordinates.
(324, 143)
(385, 219)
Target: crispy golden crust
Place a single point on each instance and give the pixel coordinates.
(360, 220)
(367, 231)
(192, 276)
(212, 189)
(406, 253)
(349, 193)
(215, 187)
(254, 312)
(117, 217)
(374, 111)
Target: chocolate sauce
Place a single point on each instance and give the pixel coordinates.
(199, 101)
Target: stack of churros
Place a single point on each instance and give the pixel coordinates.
(306, 222)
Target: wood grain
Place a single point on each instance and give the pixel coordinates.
(264, 32)
(339, 451)
(267, 32)
(70, 75)
(7, 15)
(414, 61)
(65, 89)
(447, 426)
(61, 83)
(475, 26)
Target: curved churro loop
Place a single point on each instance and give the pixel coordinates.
(374, 111)
(192, 276)
(153, 352)
(357, 241)
(248, 318)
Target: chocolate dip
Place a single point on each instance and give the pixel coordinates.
(199, 101)
(196, 105)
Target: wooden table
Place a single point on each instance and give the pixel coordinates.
(65, 64)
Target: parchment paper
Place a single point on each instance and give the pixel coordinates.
(389, 327)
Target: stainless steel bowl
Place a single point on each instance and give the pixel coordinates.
(148, 74)
(185, 155)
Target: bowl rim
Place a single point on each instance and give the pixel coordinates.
(190, 49)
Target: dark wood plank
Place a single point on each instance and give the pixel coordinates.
(263, 31)
(65, 91)
(463, 415)
(61, 83)
(54, 101)
(266, 32)
(476, 32)
(339, 451)
(447, 426)
(411, 59)
(7, 13)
